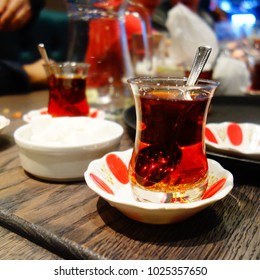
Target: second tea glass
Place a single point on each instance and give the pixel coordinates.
(169, 162)
(67, 89)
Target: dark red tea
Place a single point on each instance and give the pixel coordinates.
(169, 154)
(67, 96)
(104, 54)
(256, 76)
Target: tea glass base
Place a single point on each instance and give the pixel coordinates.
(98, 97)
(189, 195)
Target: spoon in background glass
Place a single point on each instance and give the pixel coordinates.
(43, 53)
(50, 70)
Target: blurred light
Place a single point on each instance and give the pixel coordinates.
(225, 6)
(243, 19)
(247, 5)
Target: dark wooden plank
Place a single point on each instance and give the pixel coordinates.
(16, 247)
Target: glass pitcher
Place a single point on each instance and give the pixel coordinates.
(98, 36)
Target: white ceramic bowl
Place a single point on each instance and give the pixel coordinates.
(108, 177)
(60, 149)
(4, 122)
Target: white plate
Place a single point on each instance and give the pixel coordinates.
(93, 113)
(110, 181)
(242, 139)
(4, 122)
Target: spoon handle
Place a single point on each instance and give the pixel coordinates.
(43, 53)
(199, 62)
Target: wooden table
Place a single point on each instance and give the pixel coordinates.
(47, 220)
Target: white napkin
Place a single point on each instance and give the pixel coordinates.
(188, 31)
(233, 75)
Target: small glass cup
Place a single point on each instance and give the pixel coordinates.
(207, 74)
(254, 66)
(67, 89)
(168, 162)
(142, 65)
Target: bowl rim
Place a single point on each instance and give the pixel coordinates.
(26, 144)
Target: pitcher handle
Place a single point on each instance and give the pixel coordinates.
(132, 7)
(146, 31)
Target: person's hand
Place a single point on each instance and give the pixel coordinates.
(14, 14)
(36, 73)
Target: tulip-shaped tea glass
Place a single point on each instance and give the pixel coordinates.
(168, 162)
(67, 89)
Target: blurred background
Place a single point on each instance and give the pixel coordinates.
(242, 15)
(247, 11)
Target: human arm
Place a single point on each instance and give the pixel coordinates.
(12, 78)
(17, 78)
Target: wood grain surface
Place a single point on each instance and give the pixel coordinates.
(16, 247)
(72, 222)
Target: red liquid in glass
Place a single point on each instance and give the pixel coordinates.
(256, 76)
(104, 53)
(169, 154)
(67, 96)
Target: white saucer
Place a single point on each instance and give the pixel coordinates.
(242, 139)
(93, 113)
(4, 122)
(110, 181)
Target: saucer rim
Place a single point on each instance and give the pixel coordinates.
(4, 122)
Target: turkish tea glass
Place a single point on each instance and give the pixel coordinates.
(254, 66)
(169, 162)
(67, 89)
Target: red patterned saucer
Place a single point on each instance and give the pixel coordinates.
(108, 177)
(241, 139)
